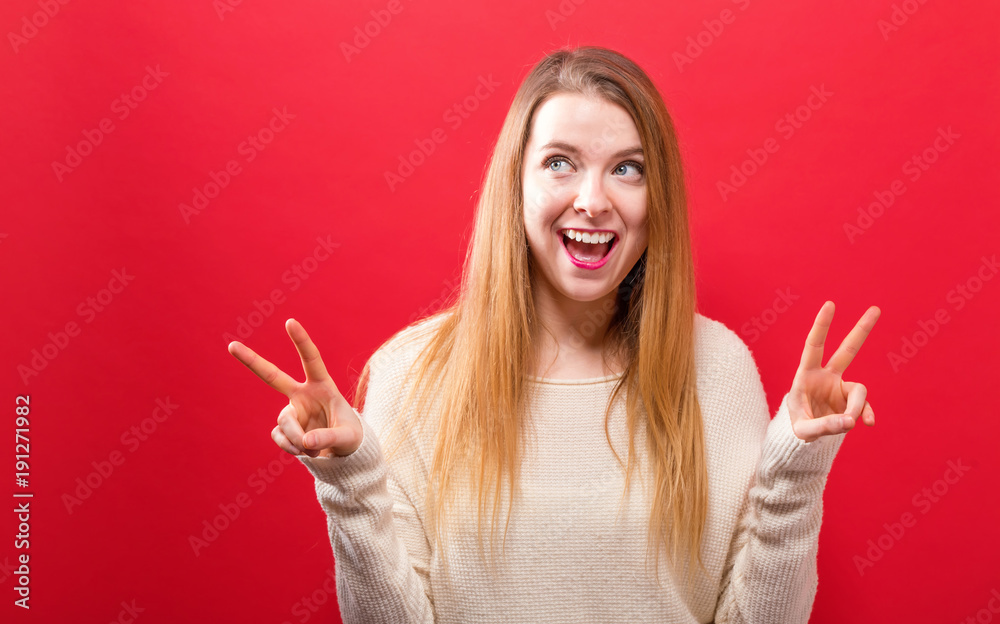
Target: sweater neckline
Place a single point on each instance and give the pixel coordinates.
(574, 382)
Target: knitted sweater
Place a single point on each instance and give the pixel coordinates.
(571, 555)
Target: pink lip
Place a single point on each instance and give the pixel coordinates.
(588, 265)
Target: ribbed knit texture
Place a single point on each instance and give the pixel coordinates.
(569, 556)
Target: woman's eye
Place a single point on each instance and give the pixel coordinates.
(556, 164)
(622, 169)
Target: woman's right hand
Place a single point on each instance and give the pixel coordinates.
(318, 420)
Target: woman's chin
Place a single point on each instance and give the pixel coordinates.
(586, 293)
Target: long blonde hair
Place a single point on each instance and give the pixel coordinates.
(478, 361)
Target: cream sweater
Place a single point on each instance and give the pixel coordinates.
(569, 559)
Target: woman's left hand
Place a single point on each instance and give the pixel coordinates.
(820, 402)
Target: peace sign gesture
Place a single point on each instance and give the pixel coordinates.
(820, 402)
(318, 419)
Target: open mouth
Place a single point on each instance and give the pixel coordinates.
(588, 249)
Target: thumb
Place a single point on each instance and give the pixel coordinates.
(856, 394)
(342, 440)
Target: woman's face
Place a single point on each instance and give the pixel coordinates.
(583, 178)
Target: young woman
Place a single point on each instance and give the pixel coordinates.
(572, 407)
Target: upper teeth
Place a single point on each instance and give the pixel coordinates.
(589, 237)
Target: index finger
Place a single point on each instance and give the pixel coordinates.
(849, 348)
(812, 353)
(271, 374)
(312, 363)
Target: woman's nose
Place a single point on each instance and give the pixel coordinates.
(591, 197)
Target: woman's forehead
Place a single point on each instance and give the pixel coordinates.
(591, 125)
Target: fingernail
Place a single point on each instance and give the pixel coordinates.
(847, 421)
(307, 440)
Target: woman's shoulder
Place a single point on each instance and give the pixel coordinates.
(390, 373)
(733, 401)
(394, 356)
(717, 345)
(726, 370)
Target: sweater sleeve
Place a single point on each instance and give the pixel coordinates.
(381, 554)
(770, 575)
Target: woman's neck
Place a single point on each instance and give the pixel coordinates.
(571, 337)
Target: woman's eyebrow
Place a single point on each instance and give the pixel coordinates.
(572, 149)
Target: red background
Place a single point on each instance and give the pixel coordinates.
(398, 252)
